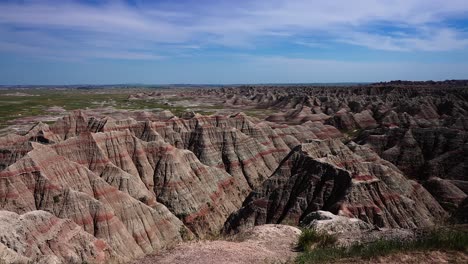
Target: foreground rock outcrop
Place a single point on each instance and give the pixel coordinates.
(40, 237)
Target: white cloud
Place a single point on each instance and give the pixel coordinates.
(441, 39)
(63, 25)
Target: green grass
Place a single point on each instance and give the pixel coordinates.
(13, 107)
(351, 134)
(260, 113)
(432, 240)
(310, 237)
(176, 99)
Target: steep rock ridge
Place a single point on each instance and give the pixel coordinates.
(434, 156)
(446, 192)
(298, 115)
(43, 180)
(418, 126)
(200, 195)
(111, 177)
(110, 155)
(345, 120)
(421, 152)
(12, 148)
(406, 154)
(403, 104)
(249, 152)
(327, 175)
(404, 202)
(71, 125)
(233, 143)
(40, 237)
(285, 196)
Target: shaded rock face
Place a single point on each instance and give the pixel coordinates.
(346, 180)
(437, 157)
(448, 194)
(346, 120)
(461, 215)
(422, 152)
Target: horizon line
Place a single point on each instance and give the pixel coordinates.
(225, 84)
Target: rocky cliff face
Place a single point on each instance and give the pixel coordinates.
(44, 180)
(346, 180)
(112, 189)
(126, 183)
(418, 126)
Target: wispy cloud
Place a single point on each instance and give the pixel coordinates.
(439, 39)
(148, 30)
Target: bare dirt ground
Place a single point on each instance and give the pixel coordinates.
(263, 244)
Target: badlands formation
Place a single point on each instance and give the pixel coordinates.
(113, 189)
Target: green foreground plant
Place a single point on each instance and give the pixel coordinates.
(323, 251)
(311, 237)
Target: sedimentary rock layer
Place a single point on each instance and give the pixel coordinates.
(118, 187)
(347, 180)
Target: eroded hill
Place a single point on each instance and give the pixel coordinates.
(116, 187)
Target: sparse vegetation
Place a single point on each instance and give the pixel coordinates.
(289, 221)
(311, 238)
(13, 107)
(351, 135)
(182, 216)
(184, 234)
(433, 240)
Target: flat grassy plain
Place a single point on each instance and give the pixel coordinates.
(15, 104)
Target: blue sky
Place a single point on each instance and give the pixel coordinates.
(208, 41)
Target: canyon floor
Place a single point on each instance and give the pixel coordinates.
(117, 174)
